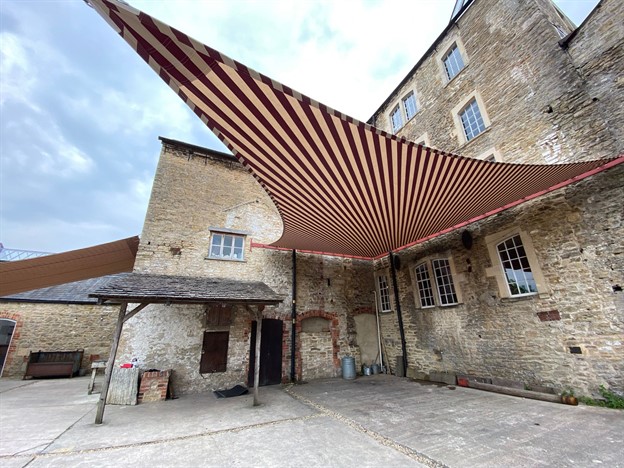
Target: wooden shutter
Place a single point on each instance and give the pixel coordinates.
(214, 352)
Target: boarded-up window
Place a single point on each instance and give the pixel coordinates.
(219, 315)
(214, 352)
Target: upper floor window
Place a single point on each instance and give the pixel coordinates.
(471, 120)
(410, 106)
(423, 281)
(444, 281)
(516, 266)
(384, 293)
(397, 119)
(227, 246)
(453, 62)
(441, 271)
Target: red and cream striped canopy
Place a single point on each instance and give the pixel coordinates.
(340, 185)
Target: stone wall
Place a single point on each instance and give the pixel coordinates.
(57, 327)
(540, 108)
(195, 190)
(578, 236)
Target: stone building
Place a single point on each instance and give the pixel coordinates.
(531, 294)
(57, 318)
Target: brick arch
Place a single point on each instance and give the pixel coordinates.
(19, 323)
(333, 329)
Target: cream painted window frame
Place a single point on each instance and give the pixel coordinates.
(386, 275)
(424, 140)
(496, 270)
(452, 41)
(456, 113)
(455, 276)
(491, 152)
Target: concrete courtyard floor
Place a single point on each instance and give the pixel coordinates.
(371, 421)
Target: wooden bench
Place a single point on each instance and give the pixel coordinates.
(54, 363)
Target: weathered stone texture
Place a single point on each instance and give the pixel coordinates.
(58, 327)
(194, 191)
(541, 109)
(578, 235)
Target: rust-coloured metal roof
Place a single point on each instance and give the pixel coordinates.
(66, 267)
(340, 185)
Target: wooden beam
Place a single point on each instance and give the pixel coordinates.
(99, 416)
(135, 311)
(256, 402)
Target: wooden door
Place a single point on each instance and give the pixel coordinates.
(270, 353)
(214, 352)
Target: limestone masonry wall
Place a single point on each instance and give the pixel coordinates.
(58, 327)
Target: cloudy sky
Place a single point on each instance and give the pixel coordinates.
(80, 112)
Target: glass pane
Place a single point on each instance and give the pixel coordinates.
(216, 239)
(215, 251)
(238, 242)
(227, 241)
(227, 251)
(238, 253)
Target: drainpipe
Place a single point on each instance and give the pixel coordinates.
(293, 316)
(398, 307)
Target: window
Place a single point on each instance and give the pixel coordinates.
(453, 62)
(384, 294)
(444, 281)
(397, 119)
(410, 106)
(425, 292)
(227, 246)
(442, 272)
(516, 267)
(471, 119)
(214, 352)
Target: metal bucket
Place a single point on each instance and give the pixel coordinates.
(375, 368)
(348, 367)
(366, 370)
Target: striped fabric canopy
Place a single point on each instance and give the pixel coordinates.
(340, 185)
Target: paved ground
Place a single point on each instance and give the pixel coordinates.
(372, 421)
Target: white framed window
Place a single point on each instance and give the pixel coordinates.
(515, 263)
(397, 119)
(410, 106)
(444, 281)
(471, 119)
(434, 283)
(226, 246)
(383, 291)
(423, 281)
(453, 62)
(491, 155)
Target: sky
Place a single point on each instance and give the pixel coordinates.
(81, 113)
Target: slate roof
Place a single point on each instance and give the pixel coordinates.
(76, 292)
(138, 287)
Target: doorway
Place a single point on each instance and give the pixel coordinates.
(6, 334)
(270, 352)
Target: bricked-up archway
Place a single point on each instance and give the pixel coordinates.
(334, 333)
(17, 330)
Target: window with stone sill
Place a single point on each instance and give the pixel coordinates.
(515, 263)
(445, 291)
(224, 246)
(410, 105)
(397, 119)
(453, 62)
(471, 119)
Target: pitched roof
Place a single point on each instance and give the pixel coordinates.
(340, 185)
(76, 292)
(138, 287)
(66, 267)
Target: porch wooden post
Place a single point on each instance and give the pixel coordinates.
(257, 365)
(99, 416)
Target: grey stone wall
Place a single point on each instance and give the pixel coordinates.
(578, 236)
(542, 110)
(57, 327)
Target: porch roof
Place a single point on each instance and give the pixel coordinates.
(340, 185)
(167, 289)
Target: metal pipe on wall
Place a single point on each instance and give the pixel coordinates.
(293, 332)
(398, 309)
